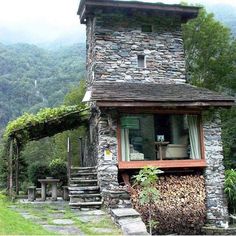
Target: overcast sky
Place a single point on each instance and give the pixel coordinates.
(37, 21)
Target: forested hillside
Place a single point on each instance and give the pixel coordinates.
(224, 13)
(32, 78)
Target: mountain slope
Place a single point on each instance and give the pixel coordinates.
(31, 77)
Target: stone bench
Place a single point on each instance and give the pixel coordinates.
(65, 195)
(31, 193)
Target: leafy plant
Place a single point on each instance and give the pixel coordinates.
(230, 189)
(38, 171)
(58, 170)
(149, 194)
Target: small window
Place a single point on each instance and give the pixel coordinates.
(147, 28)
(141, 61)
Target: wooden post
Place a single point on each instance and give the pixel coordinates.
(17, 169)
(11, 168)
(68, 159)
(81, 156)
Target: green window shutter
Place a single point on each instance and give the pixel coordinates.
(130, 122)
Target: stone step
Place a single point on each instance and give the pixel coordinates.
(85, 204)
(84, 188)
(83, 185)
(90, 199)
(119, 213)
(133, 226)
(129, 220)
(85, 195)
(81, 180)
(83, 168)
(84, 192)
(84, 174)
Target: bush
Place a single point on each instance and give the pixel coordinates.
(38, 171)
(230, 189)
(58, 170)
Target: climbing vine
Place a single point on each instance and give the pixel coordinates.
(20, 126)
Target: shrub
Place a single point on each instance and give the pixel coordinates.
(149, 195)
(58, 170)
(38, 171)
(230, 189)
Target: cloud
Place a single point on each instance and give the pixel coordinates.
(40, 20)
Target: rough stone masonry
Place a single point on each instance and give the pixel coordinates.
(112, 50)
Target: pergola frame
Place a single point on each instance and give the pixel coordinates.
(36, 131)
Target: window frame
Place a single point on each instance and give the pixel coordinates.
(201, 163)
(144, 61)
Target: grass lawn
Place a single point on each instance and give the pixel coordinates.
(11, 223)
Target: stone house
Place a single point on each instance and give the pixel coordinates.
(143, 111)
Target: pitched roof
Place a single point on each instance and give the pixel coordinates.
(162, 94)
(89, 6)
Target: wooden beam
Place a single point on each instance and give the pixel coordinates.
(162, 164)
(172, 105)
(17, 169)
(68, 159)
(10, 166)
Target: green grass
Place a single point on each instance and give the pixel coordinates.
(12, 223)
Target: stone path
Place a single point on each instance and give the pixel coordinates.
(58, 218)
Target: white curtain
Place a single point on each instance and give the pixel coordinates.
(125, 146)
(195, 152)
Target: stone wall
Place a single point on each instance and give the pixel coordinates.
(114, 43)
(217, 212)
(107, 140)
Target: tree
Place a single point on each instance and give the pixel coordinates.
(210, 53)
(149, 194)
(211, 63)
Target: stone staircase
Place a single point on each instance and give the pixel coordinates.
(84, 191)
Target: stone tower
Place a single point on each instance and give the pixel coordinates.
(135, 64)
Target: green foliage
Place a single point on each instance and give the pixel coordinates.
(211, 63)
(32, 78)
(75, 96)
(230, 189)
(210, 52)
(149, 194)
(38, 171)
(147, 176)
(229, 137)
(42, 116)
(58, 170)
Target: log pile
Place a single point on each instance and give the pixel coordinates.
(181, 207)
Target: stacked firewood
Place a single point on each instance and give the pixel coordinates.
(181, 207)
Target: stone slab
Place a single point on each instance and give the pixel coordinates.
(56, 215)
(28, 216)
(102, 230)
(66, 230)
(124, 212)
(88, 212)
(134, 228)
(128, 220)
(63, 222)
(91, 218)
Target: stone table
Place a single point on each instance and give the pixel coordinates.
(53, 183)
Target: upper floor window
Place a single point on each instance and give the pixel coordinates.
(146, 28)
(141, 61)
